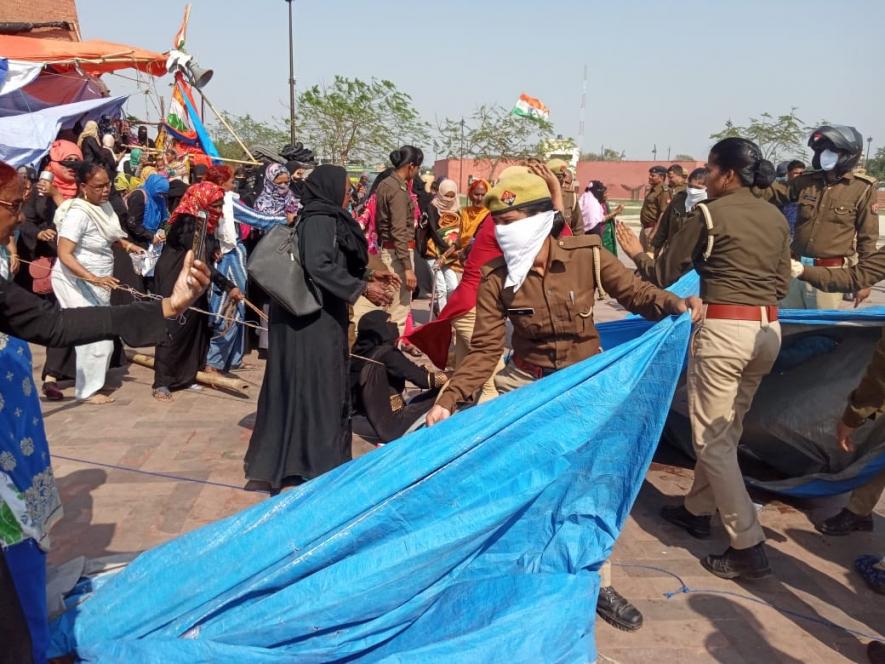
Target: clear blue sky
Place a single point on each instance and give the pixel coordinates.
(665, 73)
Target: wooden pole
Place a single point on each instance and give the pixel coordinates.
(225, 123)
(210, 379)
(188, 155)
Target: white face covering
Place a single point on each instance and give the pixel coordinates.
(520, 241)
(828, 160)
(694, 195)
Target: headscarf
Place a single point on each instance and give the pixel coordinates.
(108, 141)
(323, 194)
(199, 198)
(155, 188)
(91, 129)
(135, 157)
(443, 204)
(472, 216)
(126, 183)
(220, 174)
(147, 171)
(63, 177)
(375, 329)
(277, 199)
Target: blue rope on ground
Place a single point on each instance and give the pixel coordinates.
(166, 476)
(685, 590)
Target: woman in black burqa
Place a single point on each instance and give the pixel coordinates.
(378, 375)
(303, 427)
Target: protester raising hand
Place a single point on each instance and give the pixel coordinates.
(627, 239)
(552, 182)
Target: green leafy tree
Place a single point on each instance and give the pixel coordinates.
(607, 154)
(274, 133)
(875, 165)
(492, 134)
(779, 137)
(683, 157)
(355, 121)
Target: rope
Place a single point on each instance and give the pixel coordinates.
(165, 476)
(137, 294)
(686, 590)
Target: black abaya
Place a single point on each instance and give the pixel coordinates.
(303, 426)
(177, 361)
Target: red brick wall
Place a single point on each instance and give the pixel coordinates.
(36, 11)
(619, 176)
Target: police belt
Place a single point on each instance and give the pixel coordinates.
(741, 312)
(533, 370)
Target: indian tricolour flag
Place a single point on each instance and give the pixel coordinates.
(529, 107)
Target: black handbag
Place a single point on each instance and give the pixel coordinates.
(275, 265)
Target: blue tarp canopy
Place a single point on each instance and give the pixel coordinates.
(478, 540)
(25, 139)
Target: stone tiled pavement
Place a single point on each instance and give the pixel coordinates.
(203, 435)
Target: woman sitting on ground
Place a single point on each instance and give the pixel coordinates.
(378, 375)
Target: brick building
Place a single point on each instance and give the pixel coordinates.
(41, 12)
(626, 180)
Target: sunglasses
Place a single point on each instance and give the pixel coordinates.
(14, 207)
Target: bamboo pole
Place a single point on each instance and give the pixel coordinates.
(188, 155)
(210, 379)
(225, 123)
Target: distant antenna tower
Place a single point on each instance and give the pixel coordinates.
(583, 112)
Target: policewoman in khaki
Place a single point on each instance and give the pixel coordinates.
(546, 286)
(835, 217)
(739, 244)
(395, 223)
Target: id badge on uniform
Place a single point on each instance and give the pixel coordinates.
(521, 311)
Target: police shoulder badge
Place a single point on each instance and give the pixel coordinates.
(508, 197)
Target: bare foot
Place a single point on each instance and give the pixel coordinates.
(99, 400)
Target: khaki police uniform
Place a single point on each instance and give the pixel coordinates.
(394, 221)
(552, 317)
(744, 272)
(672, 220)
(833, 222)
(868, 400)
(656, 201)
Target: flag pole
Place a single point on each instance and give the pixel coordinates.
(225, 123)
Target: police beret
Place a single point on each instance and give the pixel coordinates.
(658, 170)
(557, 165)
(516, 190)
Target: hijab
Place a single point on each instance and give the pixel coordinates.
(91, 129)
(323, 194)
(63, 177)
(443, 203)
(199, 198)
(155, 188)
(375, 329)
(276, 199)
(135, 157)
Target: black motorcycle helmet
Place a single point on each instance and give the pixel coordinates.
(847, 141)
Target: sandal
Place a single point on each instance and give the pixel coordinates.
(163, 394)
(52, 392)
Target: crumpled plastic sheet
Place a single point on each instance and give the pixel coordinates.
(478, 540)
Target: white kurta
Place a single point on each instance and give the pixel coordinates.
(95, 254)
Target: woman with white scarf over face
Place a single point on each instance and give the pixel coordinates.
(546, 285)
(88, 228)
(444, 231)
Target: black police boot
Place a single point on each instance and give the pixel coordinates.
(845, 522)
(696, 526)
(876, 652)
(749, 564)
(614, 609)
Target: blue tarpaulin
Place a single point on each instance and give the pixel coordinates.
(25, 139)
(478, 540)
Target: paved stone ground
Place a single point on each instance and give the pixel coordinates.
(203, 435)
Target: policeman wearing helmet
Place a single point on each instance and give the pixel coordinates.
(835, 218)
